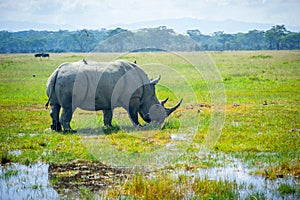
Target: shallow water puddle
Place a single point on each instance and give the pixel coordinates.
(19, 181)
(55, 181)
(33, 182)
(235, 171)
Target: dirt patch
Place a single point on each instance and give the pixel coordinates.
(92, 175)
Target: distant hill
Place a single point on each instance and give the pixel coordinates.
(181, 25)
(24, 26)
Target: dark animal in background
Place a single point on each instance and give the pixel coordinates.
(38, 55)
(103, 86)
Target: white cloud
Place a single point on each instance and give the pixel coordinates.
(100, 13)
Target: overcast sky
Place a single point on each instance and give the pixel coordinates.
(96, 14)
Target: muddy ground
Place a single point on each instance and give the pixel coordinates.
(94, 176)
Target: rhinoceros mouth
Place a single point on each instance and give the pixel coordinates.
(158, 113)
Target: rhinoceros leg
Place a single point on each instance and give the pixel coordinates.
(134, 105)
(65, 119)
(54, 113)
(107, 116)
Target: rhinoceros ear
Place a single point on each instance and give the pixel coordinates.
(155, 81)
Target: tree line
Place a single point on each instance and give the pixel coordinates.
(276, 38)
(147, 39)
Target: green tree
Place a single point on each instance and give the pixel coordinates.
(292, 40)
(255, 39)
(200, 38)
(116, 31)
(275, 36)
(224, 39)
(194, 34)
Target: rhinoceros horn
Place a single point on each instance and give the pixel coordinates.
(170, 110)
(164, 101)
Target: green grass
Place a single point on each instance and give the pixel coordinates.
(9, 174)
(286, 189)
(261, 124)
(167, 187)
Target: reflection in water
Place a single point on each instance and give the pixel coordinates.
(234, 170)
(25, 182)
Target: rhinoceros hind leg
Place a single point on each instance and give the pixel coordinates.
(54, 113)
(107, 116)
(65, 119)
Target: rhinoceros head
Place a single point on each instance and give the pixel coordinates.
(151, 108)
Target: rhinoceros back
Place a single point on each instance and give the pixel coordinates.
(96, 85)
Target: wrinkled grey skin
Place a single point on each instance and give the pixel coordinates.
(103, 86)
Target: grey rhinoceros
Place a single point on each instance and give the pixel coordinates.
(94, 86)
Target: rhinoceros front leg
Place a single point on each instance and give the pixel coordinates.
(134, 105)
(107, 116)
(65, 119)
(54, 113)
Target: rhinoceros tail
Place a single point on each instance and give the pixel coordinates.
(51, 85)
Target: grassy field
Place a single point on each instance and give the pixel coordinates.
(245, 104)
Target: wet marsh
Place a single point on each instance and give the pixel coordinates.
(254, 154)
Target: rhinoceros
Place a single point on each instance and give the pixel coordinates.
(94, 86)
